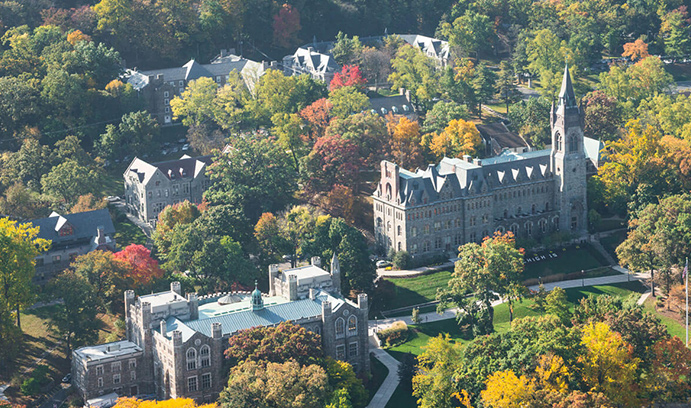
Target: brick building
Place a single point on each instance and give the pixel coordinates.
(178, 341)
(532, 194)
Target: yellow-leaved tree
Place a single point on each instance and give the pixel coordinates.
(552, 373)
(505, 390)
(127, 402)
(459, 138)
(433, 384)
(607, 364)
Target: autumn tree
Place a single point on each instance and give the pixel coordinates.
(546, 56)
(141, 268)
(318, 116)
(267, 232)
(132, 402)
(636, 50)
(433, 385)
(634, 83)
(458, 139)
(347, 100)
(286, 26)
(279, 385)
(602, 116)
(406, 143)
(675, 31)
(671, 363)
(506, 390)
(415, 71)
(195, 105)
(470, 32)
(107, 274)
(88, 203)
(343, 378)
(350, 75)
(443, 112)
(333, 160)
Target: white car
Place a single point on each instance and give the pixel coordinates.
(185, 147)
(383, 263)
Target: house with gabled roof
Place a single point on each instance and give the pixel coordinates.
(71, 235)
(149, 188)
(436, 49)
(159, 86)
(307, 60)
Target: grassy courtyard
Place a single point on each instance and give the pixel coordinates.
(416, 290)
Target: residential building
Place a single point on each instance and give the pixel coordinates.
(149, 188)
(438, 50)
(71, 235)
(532, 194)
(306, 60)
(496, 138)
(178, 341)
(158, 87)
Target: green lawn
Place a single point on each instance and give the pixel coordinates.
(612, 241)
(127, 233)
(419, 289)
(402, 398)
(673, 327)
(568, 260)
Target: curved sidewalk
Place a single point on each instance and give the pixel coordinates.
(387, 388)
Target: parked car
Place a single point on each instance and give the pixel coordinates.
(383, 263)
(182, 140)
(66, 379)
(185, 147)
(175, 150)
(113, 199)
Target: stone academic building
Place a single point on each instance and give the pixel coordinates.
(175, 343)
(532, 194)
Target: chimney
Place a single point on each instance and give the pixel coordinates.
(176, 288)
(171, 174)
(224, 53)
(310, 49)
(316, 261)
(467, 158)
(164, 328)
(313, 293)
(182, 172)
(159, 77)
(100, 235)
(292, 288)
(477, 162)
(401, 91)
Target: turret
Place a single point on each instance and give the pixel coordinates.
(326, 310)
(129, 301)
(362, 302)
(336, 273)
(216, 330)
(193, 304)
(316, 261)
(257, 301)
(176, 288)
(292, 287)
(163, 328)
(273, 274)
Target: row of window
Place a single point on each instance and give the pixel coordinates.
(117, 378)
(204, 357)
(341, 351)
(193, 386)
(506, 195)
(352, 326)
(117, 366)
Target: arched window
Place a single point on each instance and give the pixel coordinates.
(500, 230)
(352, 325)
(191, 359)
(529, 228)
(559, 140)
(340, 327)
(543, 225)
(399, 246)
(205, 356)
(573, 144)
(399, 230)
(506, 213)
(514, 229)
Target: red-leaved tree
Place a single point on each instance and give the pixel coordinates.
(350, 75)
(141, 267)
(318, 115)
(286, 26)
(333, 160)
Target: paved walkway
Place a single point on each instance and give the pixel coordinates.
(387, 388)
(382, 272)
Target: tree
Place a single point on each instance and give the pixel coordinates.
(350, 75)
(602, 116)
(607, 364)
(107, 275)
(675, 31)
(636, 50)
(642, 80)
(469, 32)
(546, 55)
(484, 83)
(458, 139)
(557, 305)
(254, 175)
(433, 385)
(267, 232)
(346, 50)
(406, 143)
(74, 319)
(368, 131)
(196, 104)
(333, 160)
(347, 100)
(141, 268)
(132, 402)
(487, 271)
(135, 132)
(19, 246)
(506, 86)
(318, 116)
(69, 180)
(342, 377)
(438, 118)
(276, 385)
(286, 26)
(506, 390)
(278, 344)
(88, 203)
(671, 363)
(531, 120)
(416, 72)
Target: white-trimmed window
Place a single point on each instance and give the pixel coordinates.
(340, 352)
(100, 383)
(115, 367)
(352, 349)
(166, 101)
(352, 325)
(206, 381)
(192, 384)
(205, 357)
(340, 326)
(192, 359)
(116, 379)
(99, 370)
(133, 375)
(133, 364)
(165, 94)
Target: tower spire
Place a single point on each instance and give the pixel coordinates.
(567, 97)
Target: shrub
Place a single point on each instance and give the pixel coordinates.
(401, 260)
(394, 335)
(30, 387)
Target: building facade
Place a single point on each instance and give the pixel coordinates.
(307, 60)
(159, 87)
(71, 235)
(532, 194)
(149, 188)
(177, 342)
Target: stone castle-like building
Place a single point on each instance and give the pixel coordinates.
(532, 194)
(175, 343)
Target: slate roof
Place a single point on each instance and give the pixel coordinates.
(313, 61)
(429, 45)
(83, 224)
(502, 136)
(246, 319)
(567, 97)
(184, 167)
(593, 149)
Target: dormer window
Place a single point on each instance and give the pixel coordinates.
(384, 111)
(66, 230)
(171, 174)
(405, 108)
(394, 109)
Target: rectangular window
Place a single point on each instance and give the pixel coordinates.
(167, 109)
(116, 379)
(340, 352)
(166, 102)
(192, 384)
(352, 349)
(165, 94)
(133, 375)
(182, 90)
(133, 364)
(100, 383)
(182, 83)
(115, 367)
(56, 258)
(206, 381)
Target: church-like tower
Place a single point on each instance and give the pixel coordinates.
(568, 160)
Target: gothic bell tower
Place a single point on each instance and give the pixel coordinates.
(568, 160)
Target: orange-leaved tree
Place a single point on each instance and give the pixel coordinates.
(142, 268)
